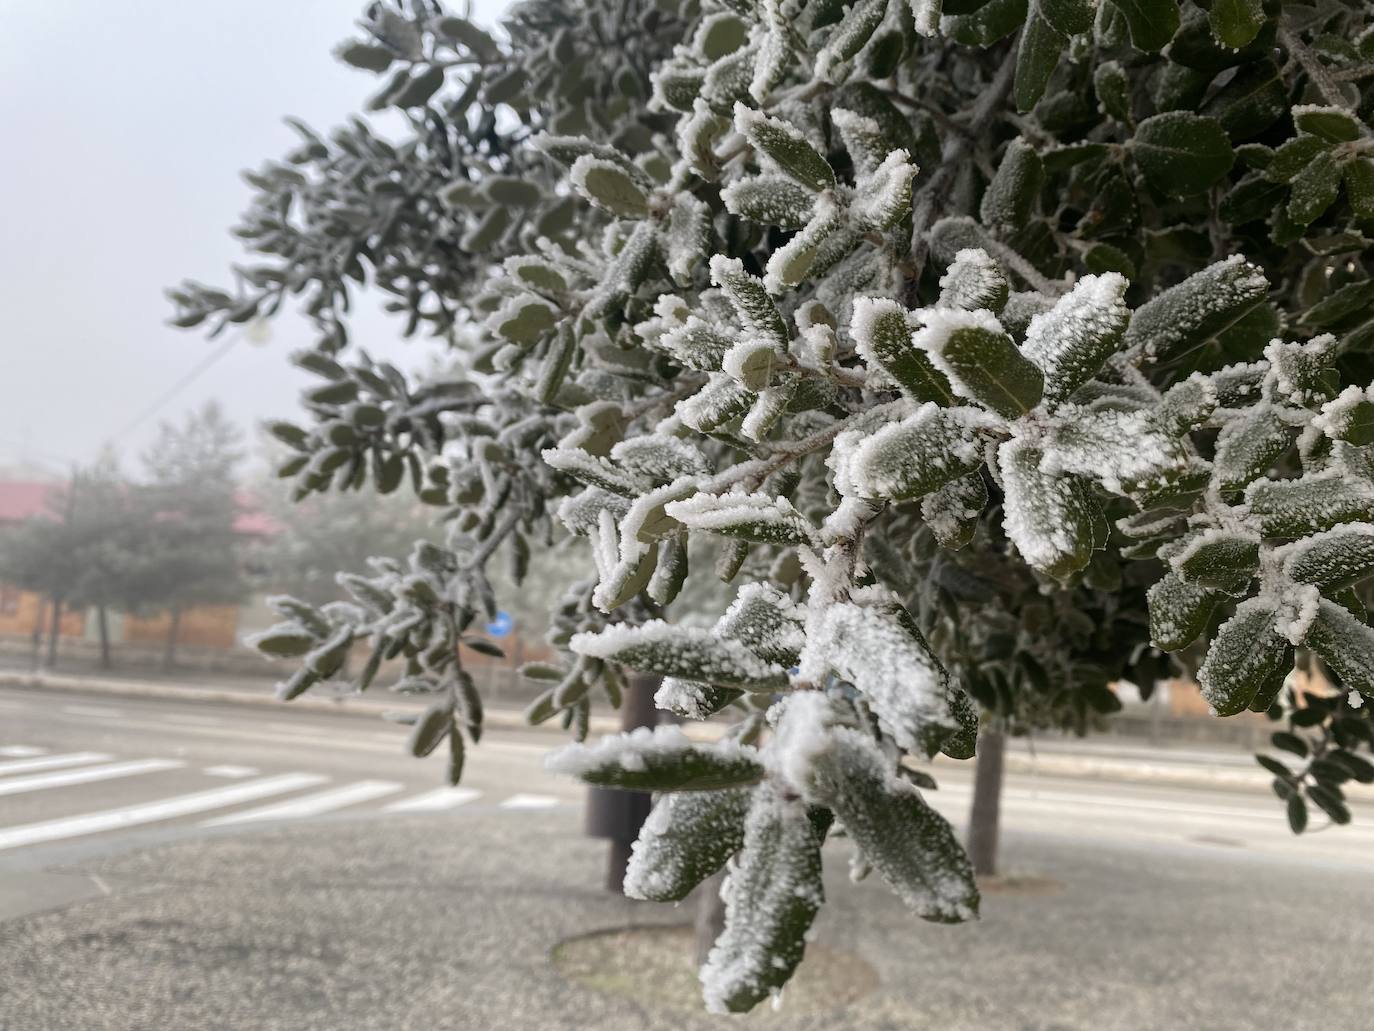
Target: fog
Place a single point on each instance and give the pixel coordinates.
(125, 127)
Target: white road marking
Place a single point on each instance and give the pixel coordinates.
(14, 785)
(529, 802)
(152, 812)
(431, 801)
(312, 805)
(199, 721)
(53, 762)
(21, 751)
(230, 771)
(91, 710)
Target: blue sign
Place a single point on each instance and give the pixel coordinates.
(501, 626)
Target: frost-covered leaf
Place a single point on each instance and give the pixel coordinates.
(1248, 446)
(750, 517)
(770, 199)
(952, 511)
(1236, 22)
(1334, 559)
(913, 457)
(1072, 340)
(980, 360)
(1038, 54)
(1186, 316)
(1333, 124)
(1152, 22)
(750, 363)
(688, 237)
(1318, 501)
(595, 471)
(1054, 521)
(795, 260)
(692, 700)
(1346, 644)
(660, 758)
(679, 651)
(607, 185)
(1219, 560)
(882, 331)
(718, 402)
(282, 641)
(697, 344)
(882, 198)
(1349, 416)
(1010, 196)
(906, 841)
(972, 281)
(855, 28)
(1123, 451)
(1247, 657)
(687, 837)
(786, 147)
(660, 458)
(1179, 612)
(1181, 153)
(1069, 17)
(772, 894)
(767, 621)
(754, 308)
(873, 643)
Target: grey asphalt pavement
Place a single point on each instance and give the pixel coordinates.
(1149, 905)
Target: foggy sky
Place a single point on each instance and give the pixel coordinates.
(123, 128)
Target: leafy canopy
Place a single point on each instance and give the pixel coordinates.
(1001, 349)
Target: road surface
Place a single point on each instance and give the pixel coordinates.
(98, 772)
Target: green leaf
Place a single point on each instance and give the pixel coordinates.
(981, 361)
(607, 185)
(1186, 316)
(906, 841)
(424, 83)
(1113, 90)
(1297, 813)
(1345, 644)
(849, 36)
(1053, 520)
(1329, 802)
(882, 331)
(1294, 508)
(1041, 45)
(1333, 124)
(1251, 102)
(1179, 611)
(678, 651)
(1219, 560)
(910, 458)
(1010, 197)
(1359, 188)
(1332, 560)
(1068, 17)
(747, 295)
(658, 759)
(366, 56)
(1315, 189)
(992, 21)
(434, 724)
(687, 837)
(1248, 446)
(1181, 154)
(1236, 22)
(1247, 657)
(786, 147)
(771, 897)
(1289, 743)
(1152, 22)
(283, 641)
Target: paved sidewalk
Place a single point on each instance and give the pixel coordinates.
(450, 925)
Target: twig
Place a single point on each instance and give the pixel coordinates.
(1320, 75)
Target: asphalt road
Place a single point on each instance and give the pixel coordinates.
(92, 772)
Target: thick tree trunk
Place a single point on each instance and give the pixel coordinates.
(103, 622)
(54, 629)
(169, 655)
(986, 813)
(710, 915)
(618, 815)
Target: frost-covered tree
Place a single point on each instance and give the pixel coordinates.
(1005, 347)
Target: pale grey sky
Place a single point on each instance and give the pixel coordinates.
(125, 127)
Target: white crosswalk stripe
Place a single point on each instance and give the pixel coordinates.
(52, 762)
(153, 812)
(92, 711)
(21, 751)
(312, 805)
(232, 772)
(433, 801)
(86, 774)
(522, 801)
